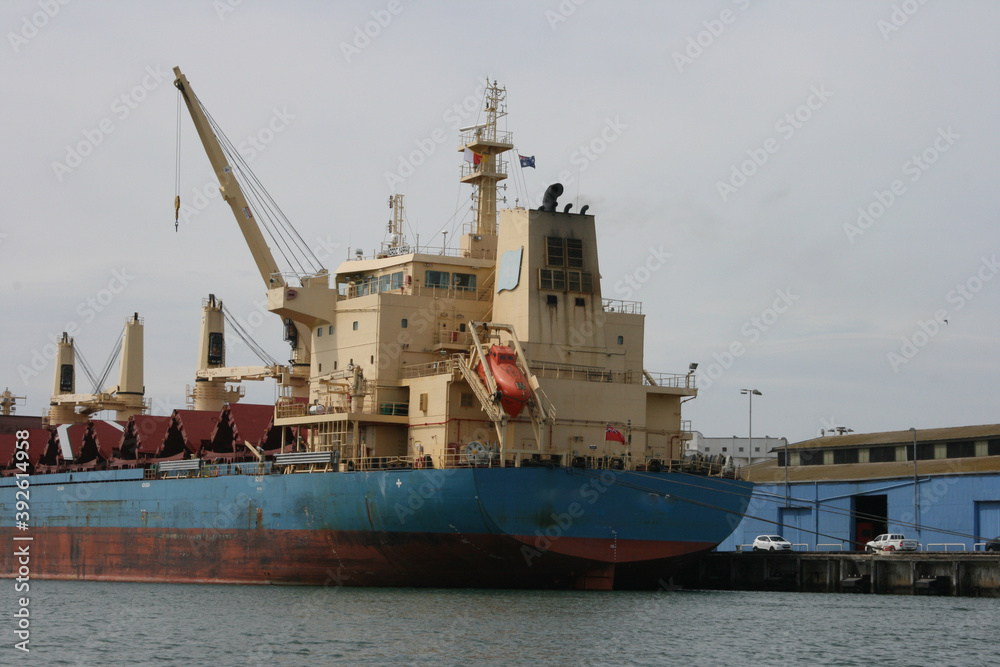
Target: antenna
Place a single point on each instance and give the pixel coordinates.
(397, 243)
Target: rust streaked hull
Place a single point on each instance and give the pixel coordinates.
(501, 528)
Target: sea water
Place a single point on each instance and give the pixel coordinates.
(95, 623)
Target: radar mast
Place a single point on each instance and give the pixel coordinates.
(483, 145)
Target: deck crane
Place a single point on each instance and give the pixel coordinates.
(302, 307)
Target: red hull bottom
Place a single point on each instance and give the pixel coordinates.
(329, 558)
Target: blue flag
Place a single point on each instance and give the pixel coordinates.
(527, 161)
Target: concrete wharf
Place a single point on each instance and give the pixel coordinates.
(900, 573)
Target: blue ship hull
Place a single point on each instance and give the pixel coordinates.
(484, 527)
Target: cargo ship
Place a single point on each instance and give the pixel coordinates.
(470, 417)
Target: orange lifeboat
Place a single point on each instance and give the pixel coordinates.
(512, 386)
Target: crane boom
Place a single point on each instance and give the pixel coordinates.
(230, 187)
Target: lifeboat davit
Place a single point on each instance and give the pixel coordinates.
(511, 384)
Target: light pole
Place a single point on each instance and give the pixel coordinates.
(916, 519)
(751, 393)
(786, 472)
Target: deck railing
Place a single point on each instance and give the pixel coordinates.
(620, 306)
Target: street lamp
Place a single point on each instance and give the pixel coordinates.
(751, 393)
(786, 472)
(916, 519)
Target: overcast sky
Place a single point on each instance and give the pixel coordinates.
(800, 193)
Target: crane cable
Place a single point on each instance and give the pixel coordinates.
(177, 167)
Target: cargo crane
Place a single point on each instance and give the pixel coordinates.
(210, 390)
(8, 402)
(304, 306)
(126, 398)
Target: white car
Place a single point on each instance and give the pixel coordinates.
(771, 543)
(891, 542)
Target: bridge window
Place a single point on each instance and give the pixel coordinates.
(403, 323)
(437, 278)
(396, 280)
(464, 281)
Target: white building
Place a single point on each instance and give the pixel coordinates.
(736, 447)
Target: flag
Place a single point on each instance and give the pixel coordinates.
(527, 161)
(470, 156)
(611, 433)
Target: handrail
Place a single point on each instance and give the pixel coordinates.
(620, 306)
(446, 365)
(839, 545)
(945, 545)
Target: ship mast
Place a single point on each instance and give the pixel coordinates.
(483, 145)
(397, 243)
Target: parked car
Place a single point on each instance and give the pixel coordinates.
(892, 542)
(994, 544)
(771, 543)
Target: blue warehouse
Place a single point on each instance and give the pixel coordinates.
(940, 487)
